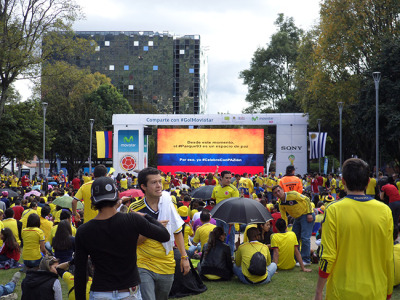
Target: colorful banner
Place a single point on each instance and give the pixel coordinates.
(104, 144)
(200, 150)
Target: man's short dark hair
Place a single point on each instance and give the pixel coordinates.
(142, 176)
(355, 174)
(45, 211)
(223, 173)
(33, 221)
(100, 171)
(252, 233)
(9, 213)
(205, 215)
(275, 187)
(289, 170)
(280, 225)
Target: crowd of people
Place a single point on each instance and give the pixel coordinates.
(137, 247)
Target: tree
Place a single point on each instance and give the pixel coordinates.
(29, 35)
(21, 132)
(270, 78)
(74, 97)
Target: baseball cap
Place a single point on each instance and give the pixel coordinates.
(104, 189)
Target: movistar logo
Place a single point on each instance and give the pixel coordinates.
(128, 140)
(254, 118)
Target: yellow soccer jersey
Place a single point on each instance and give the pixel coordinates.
(398, 185)
(46, 226)
(243, 257)
(357, 249)
(151, 254)
(195, 182)
(295, 204)
(333, 186)
(12, 224)
(188, 231)
(324, 180)
(14, 182)
(202, 234)
(221, 193)
(84, 194)
(285, 243)
(32, 236)
(25, 215)
(54, 230)
(245, 238)
(396, 256)
(260, 180)
(371, 187)
(272, 181)
(86, 179)
(246, 185)
(69, 279)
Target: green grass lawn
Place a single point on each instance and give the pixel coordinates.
(292, 284)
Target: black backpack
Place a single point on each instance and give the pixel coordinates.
(258, 264)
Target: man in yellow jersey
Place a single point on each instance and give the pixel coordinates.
(86, 178)
(203, 232)
(299, 207)
(243, 258)
(226, 190)
(270, 182)
(246, 185)
(332, 185)
(84, 194)
(357, 242)
(156, 263)
(195, 182)
(371, 187)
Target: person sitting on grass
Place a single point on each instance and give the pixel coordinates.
(33, 239)
(9, 254)
(6, 290)
(285, 247)
(202, 233)
(248, 255)
(63, 242)
(216, 260)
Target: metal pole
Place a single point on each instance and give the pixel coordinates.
(44, 105)
(90, 154)
(377, 78)
(340, 105)
(319, 137)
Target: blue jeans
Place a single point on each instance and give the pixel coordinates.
(271, 271)
(7, 288)
(114, 295)
(155, 286)
(303, 231)
(230, 238)
(192, 250)
(32, 263)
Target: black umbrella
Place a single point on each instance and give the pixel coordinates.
(180, 173)
(203, 192)
(11, 193)
(241, 210)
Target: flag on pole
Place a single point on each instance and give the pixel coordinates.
(317, 144)
(104, 144)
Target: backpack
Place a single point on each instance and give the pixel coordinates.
(258, 264)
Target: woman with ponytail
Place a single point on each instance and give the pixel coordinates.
(216, 261)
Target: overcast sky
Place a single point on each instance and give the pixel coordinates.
(231, 30)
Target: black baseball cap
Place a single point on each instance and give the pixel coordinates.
(104, 189)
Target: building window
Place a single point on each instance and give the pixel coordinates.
(191, 70)
(135, 43)
(130, 87)
(181, 51)
(107, 43)
(97, 48)
(155, 68)
(111, 67)
(150, 43)
(145, 48)
(126, 68)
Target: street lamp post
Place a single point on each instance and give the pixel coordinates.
(90, 154)
(319, 138)
(340, 105)
(44, 105)
(377, 78)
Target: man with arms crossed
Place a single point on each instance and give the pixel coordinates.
(221, 192)
(357, 242)
(156, 260)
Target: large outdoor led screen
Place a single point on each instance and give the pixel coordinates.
(201, 150)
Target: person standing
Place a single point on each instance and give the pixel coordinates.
(299, 207)
(290, 182)
(84, 194)
(392, 193)
(156, 260)
(357, 242)
(221, 192)
(110, 239)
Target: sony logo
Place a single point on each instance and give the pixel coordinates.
(291, 147)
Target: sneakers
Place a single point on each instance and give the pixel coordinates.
(16, 277)
(12, 296)
(304, 263)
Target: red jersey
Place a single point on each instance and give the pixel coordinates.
(392, 192)
(76, 183)
(25, 181)
(314, 185)
(18, 210)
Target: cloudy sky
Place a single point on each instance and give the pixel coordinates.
(231, 30)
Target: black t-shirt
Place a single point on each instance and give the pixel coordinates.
(111, 244)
